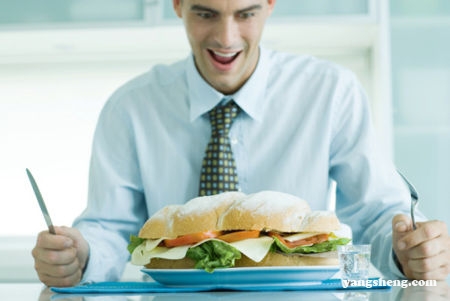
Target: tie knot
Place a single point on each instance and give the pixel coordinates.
(221, 118)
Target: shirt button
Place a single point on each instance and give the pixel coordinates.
(234, 141)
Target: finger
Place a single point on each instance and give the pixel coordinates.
(424, 232)
(59, 241)
(438, 274)
(427, 264)
(429, 249)
(55, 257)
(78, 242)
(59, 281)
(57, 270)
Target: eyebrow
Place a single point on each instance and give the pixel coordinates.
(197, 7)
(252, 7)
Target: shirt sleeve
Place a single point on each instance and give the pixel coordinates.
(369, 191)
(116, 205)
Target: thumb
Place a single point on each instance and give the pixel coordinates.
(62, 234)
(401, 227)
(75, 235)
(71, 233)
(401, 224)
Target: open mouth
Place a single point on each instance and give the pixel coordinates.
(224, 58)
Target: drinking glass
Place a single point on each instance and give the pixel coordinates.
(354, 261)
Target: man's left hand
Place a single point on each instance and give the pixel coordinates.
(423, 253)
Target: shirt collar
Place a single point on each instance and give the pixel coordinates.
(250, 98)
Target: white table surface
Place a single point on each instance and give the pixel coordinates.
(36, 291)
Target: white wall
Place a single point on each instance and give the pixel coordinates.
(47, 117)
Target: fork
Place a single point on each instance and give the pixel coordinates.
(414, 198)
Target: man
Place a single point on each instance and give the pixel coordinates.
(302, 123)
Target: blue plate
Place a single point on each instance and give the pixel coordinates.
(242, 276)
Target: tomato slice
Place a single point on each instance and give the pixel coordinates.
(239, 235)
(301, 242)
(190, 239)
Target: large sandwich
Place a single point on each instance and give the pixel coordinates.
(237, 230)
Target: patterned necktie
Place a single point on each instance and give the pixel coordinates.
(218, 168)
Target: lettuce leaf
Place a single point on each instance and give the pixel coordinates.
(134, 243)
(213, 254)
(326, 246)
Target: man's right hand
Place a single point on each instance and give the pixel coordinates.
(60, 259)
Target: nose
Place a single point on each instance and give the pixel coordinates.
(227, 33)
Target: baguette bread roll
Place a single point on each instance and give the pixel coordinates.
(282, 214)
(265, 211)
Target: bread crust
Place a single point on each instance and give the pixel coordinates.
(159, 224)
(272, 259)
(202, 213)
(320, 221)
(266, 210)
(197, 215)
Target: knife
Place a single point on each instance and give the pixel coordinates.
(41, 202)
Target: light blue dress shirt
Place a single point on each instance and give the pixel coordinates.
(304, 123)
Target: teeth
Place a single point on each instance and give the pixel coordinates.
(225, 54)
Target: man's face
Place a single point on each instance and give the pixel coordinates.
(224, 37)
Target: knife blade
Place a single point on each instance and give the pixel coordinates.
(41, 202)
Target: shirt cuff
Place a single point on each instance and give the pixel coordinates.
(394, 266)
(91, 273)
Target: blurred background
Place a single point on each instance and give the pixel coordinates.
(61, 59)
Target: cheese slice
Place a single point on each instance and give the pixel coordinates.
(303, 235)
(149, 249)
(254, 248)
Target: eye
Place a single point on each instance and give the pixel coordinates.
(206, 15)
(246, 15)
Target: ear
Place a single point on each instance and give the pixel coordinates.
(271, 4)
(177, 7)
